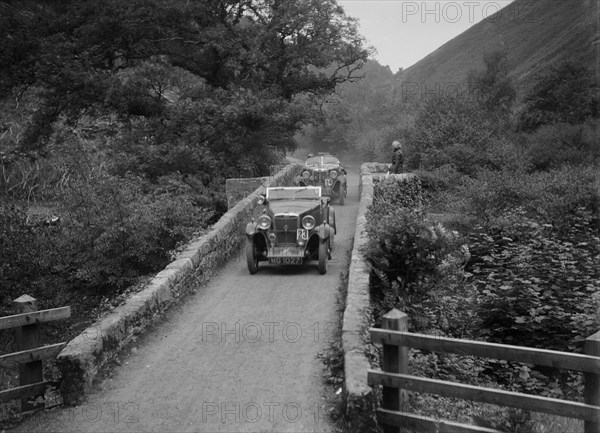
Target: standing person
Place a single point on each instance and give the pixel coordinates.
(397, 158)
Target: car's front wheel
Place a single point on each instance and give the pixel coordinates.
(323, 253)
(251, 257)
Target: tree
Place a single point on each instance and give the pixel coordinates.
(73, 52)
(451, 130)
(492, 88)
(163, 100)
(568, 93)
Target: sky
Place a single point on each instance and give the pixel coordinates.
(404, 31)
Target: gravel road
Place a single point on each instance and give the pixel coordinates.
(240, 355)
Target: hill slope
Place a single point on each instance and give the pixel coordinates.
(534, 34)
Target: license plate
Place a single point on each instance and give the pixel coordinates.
(302, 234)
(286, 260)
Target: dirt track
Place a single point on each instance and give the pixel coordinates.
(238, 356)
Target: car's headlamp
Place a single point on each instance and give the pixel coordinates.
(333, 174)
(263, 222)
(308, 222)
(305, 174)
(261, 199)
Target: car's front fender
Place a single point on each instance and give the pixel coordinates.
(251, 229)
(331, 219)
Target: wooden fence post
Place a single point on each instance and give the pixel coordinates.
(592, 381)
(28, 337)
(395, 360)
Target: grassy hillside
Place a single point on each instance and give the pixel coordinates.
(535, 35)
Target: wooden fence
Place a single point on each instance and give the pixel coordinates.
(396, 380)
(29, 357)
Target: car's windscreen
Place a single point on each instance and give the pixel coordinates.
(330, 160)
(293, 193)
(322, 160)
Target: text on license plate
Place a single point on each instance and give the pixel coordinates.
(286, 260)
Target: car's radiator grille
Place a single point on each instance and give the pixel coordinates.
(290, 221)
(286, 236)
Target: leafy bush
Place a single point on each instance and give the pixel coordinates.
(469, 370)
(554, 196)
(447, 127)
(453, 302)
(567, 94)
(528, 276)
(491, 192)
(19, 255)
(404, 250)
(537, 289)
(390, 194)
(506, 153)
(552, 146)
(113, 233)
(440, 179)
(562, 196)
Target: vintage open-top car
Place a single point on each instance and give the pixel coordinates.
(324, 170)
(297, 225)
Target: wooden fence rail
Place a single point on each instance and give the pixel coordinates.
(396, 380)
(30, 355)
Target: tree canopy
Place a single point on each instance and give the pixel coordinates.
(125, 117)
(568, 93)
(75, 50)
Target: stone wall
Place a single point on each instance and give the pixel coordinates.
(360, 403)
(84, 356)
(360, 400)
(368, 168)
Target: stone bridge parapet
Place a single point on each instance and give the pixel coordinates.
(360, 401)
